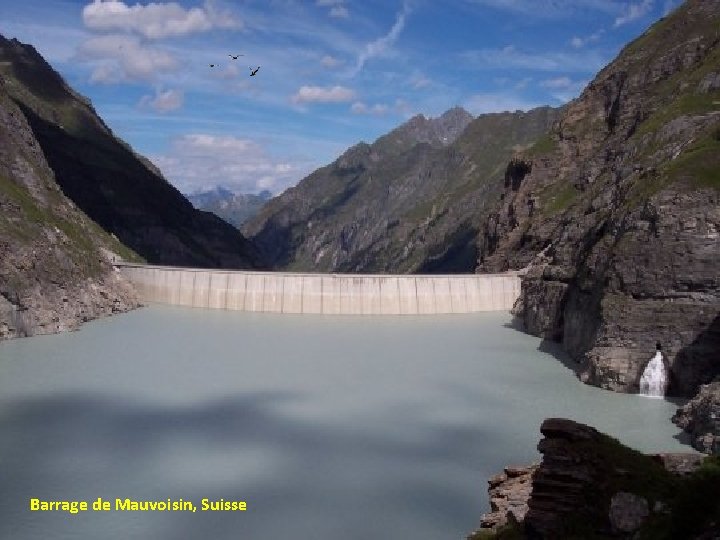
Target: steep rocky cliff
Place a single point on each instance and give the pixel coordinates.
(55, 269)
(118, 189)
(617, 210)
(589, 485)
(412, 201)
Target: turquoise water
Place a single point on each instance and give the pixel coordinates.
(328, 427)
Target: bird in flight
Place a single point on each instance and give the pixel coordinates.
(235, 56)
(212, 65)
(253, 72)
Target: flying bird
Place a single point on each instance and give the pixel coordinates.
(253, 72)
(212, 65)
(235, 56)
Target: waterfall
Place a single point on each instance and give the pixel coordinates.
(654, 379)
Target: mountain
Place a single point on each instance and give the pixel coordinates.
(115, 187)
(55, 262)
(412, 201)
(235, 208)
(617, 212)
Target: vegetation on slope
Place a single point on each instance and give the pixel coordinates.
(102, 175)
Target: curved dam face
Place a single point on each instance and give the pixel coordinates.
(331, 294)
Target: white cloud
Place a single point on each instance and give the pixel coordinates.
(510, 57)
(163, 101)
(634, 11)
(500, 102)
(155, 20)
(330, 62)
(548, 8)
(380, 45)
(522, 83)
(229, 72)
(106, 74)
(379, 109)
(338, 9)
(122, 57)
(403, 108)
(320, 94)
(558, 82)
(339, 12)
(579, 42)
(563, 89)
(201, 161)
(418, 80)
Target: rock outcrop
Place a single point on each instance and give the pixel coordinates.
(628, 512)
(509, 493)
(588, 485)
(622, 198)
(700, 417)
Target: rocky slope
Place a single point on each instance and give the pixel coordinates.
(617, 209)
(700, 417)
(509, 493)
(118, 189)
(412, 201)
(55, 269)
(234, 208)
(588, 485)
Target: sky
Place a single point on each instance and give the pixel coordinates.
(332, 72)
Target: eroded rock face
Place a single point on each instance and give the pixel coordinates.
(627, 512)
(700, 417)
(679, 463)
(587, 485)
(622, 201)
(509, 492)
(562, 479)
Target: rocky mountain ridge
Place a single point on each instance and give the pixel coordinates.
(437, 132)
(617, 212)
(412, 201)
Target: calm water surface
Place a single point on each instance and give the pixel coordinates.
(352, 427)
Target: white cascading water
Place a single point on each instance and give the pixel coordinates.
(654, 379)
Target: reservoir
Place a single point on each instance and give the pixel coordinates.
(326, 426)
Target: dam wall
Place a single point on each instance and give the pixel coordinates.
(331, 294)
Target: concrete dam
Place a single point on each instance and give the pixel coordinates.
(331, 294)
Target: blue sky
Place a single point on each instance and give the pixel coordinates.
(333, 72)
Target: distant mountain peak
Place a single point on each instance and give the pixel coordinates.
(234, 208)
(456, 112)
(437, 132)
